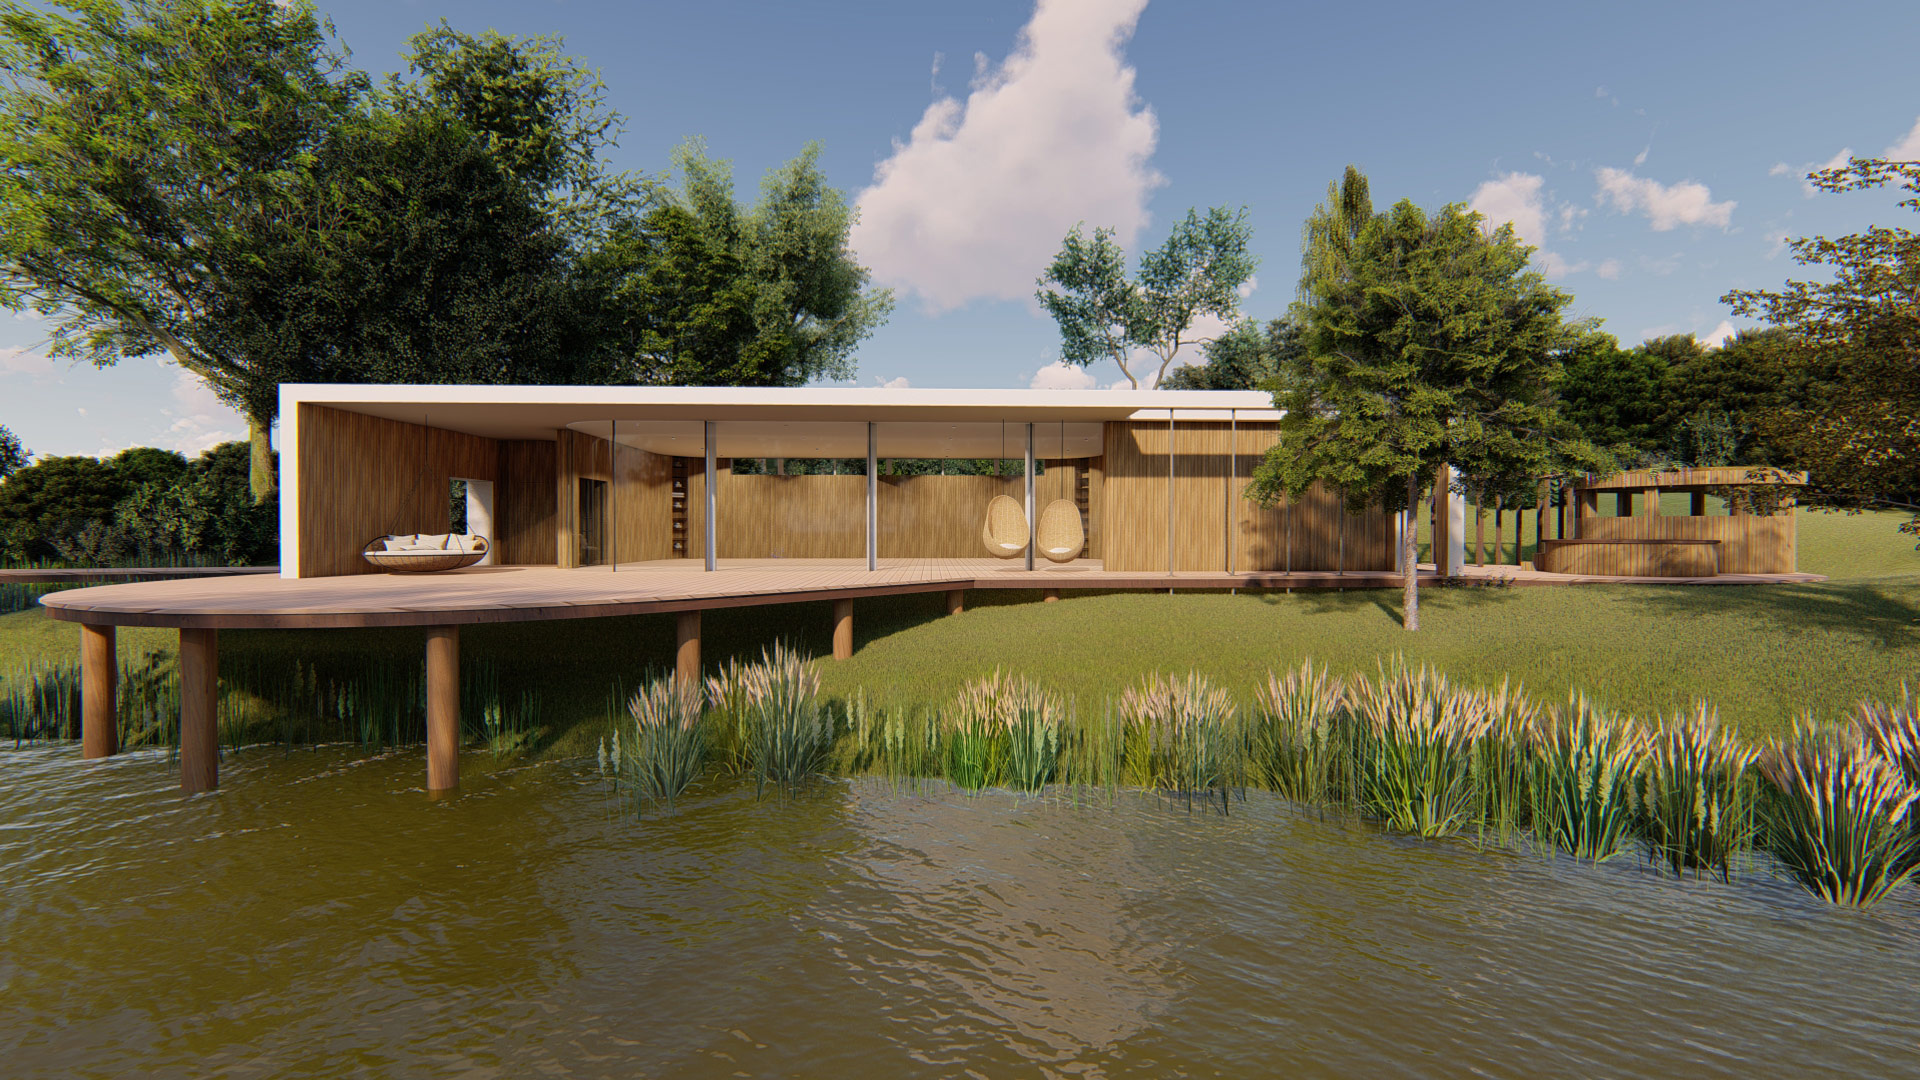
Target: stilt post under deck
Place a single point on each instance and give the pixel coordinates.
(843, 629)
(199, 710)
(686, 662)
(99, 685)
(443, 708)
(1049, 596)
(956, 601)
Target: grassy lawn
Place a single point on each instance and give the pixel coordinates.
(1762, 654)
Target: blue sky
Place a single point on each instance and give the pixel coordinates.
(1655, 152)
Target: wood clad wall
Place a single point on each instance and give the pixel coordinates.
(1211, 464)
(364, 476)
(641, 501)
(524, 503)
(939, 517)
(1647, 559)
(1749, 544)
(792, 517)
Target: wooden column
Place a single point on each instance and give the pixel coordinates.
(843, 629)
(443, 708)
(1650, 503)
(956, 601)
(1050, 596)
(1539, 522)
(99, 683)
(1698, 504)
(1499, 533)
(1480, 533)
(686, 659)
(1442, 511)
(199, 710)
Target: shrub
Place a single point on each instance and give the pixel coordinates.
(1414, 749)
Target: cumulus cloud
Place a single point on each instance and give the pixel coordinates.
(1780, 168)
(1608, 269)
(1719, 335)
(974, 203)
(1061, 375)
(1907, 149)
(1684, 203)
(898, 382)
(1520, 199)
(201, 421)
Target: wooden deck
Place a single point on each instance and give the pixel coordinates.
(489, 594)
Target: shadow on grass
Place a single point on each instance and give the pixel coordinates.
(1386, 601)
(1881, 612)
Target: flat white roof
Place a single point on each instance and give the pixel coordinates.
(535, 412)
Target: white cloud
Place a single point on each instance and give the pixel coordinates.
(1061, 375)
(1907, 149)
(897, 383)
(1608, 269)
(1519, 199)
(1684, 203)
(1780, 168)
(974, 203)
(1640, 158)
(201, 420)
(1718, 336)
(1246, 287)
(17, 361)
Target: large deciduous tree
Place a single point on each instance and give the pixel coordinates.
(703, 290)
(1426, 341)
(1857, 429)
(1249, 356)
(1105, 315)
(148, 147)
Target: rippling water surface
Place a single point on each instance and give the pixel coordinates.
(320, 916)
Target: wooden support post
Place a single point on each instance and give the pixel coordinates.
(99, 685)
(1499, 531)
(1650, 503)
(1623, 504)
(686, 659)
(1050, 596)
(199, 710)
(843, 629)
(1442, 512)
(443, 708)
(1539, 523)
(956, 601)
(1697, 504)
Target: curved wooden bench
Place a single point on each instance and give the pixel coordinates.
(1630, 558)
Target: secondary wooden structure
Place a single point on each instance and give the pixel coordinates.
(1637, 539)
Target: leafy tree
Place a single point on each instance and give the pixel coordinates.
(1104, 315)
(13, 456)
(1857, 430)
(1427, 341)
(149, 146)
(52, 497)
(1247, 357)
(702, 290)
(1617, 397)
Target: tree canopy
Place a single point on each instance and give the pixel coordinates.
(1250, 356)
(1425, 341)
(13, 456)
(1104, 315)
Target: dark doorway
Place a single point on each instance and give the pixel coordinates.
(593, 522)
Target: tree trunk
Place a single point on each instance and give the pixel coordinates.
(1409, 553)
(265, 480)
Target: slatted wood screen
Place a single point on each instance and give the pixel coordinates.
(1640, 559)
(525, 503)
(1749, 544)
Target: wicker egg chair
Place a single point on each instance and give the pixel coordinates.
(1005, 531)
(423, 554)
(1061, 538)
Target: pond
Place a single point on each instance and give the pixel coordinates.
(320, 916)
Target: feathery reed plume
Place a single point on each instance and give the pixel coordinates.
(1503, 758)
(789, 730)
(1010, 727)
(1836, 816)
(1414, 749)
(730, 717)
(1181, 731)
(1583, 770)
(1893, 732)
(1297, 745)
(1693, 793)
(668, 747)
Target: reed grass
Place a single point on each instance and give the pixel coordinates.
(1583, 767)
(1694, 794)
(1837, 817)
(668, 745)
(1503, 758)
(1414, 749)
(1297, 742)
(1180, 736)
(1003, 729)
(790, 730)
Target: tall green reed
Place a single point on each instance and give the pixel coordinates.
(1003, 729)
(1299, 745)
(1414, 749)
(1503, 760)
(1694, 794)
(1583, 768)
(1180, 734)
(790, 730)
(666, 748)
(1836, 817)
(730, 717)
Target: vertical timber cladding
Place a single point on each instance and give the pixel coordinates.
(642, 503)
(525, 505)
(362, 477)
(1208, 487)
(1749, 544)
